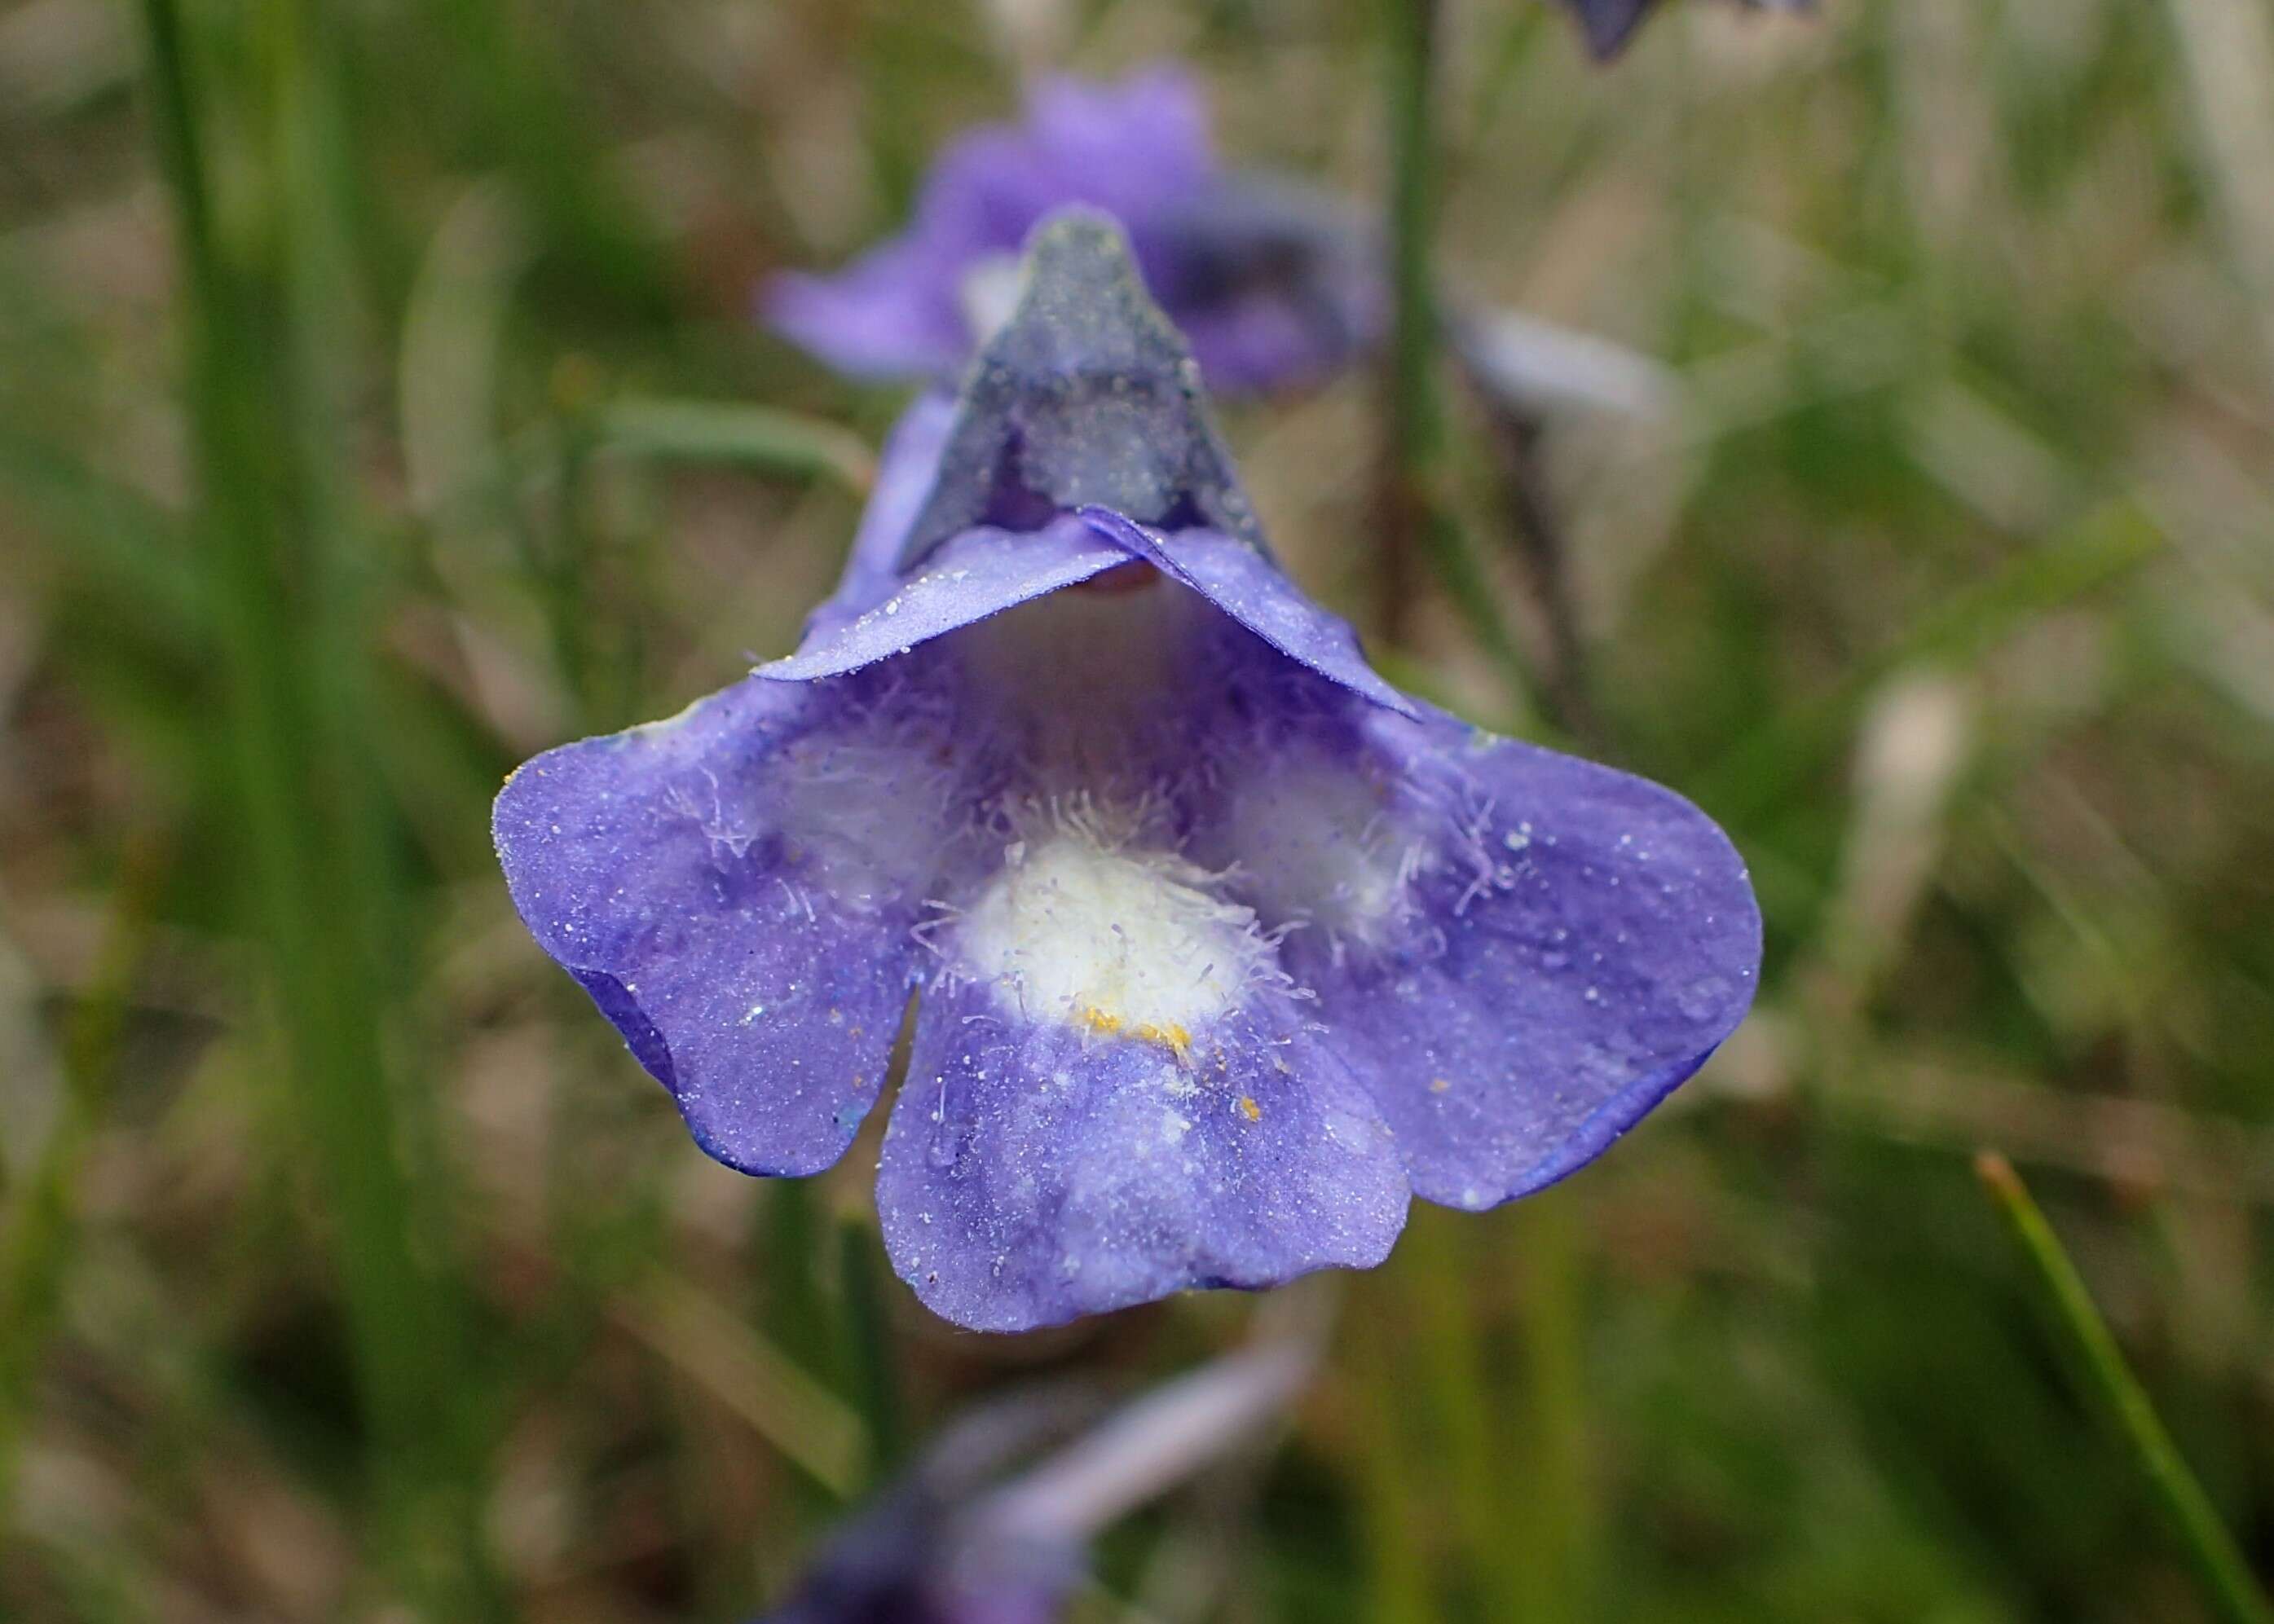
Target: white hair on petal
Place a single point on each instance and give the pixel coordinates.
(1317, 840)
(1090, 923)
(867, 805)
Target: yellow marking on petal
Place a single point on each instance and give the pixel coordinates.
(1172, 1037)
(1169, 1034)
(1439, 1085)
(1249, 1109)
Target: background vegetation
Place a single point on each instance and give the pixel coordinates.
(349, 1269)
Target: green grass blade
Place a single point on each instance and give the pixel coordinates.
(290, 663)
(1551, 1518)
(2210, 1549)
(809, 1425)
(113, 538)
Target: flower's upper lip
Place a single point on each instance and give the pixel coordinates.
(1079, 442)
(1246, 584)
(985, 571)
(980, 573)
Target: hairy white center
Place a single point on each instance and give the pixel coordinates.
(1114, 940)
(1317, 842)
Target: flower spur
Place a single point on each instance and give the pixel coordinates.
(1223, 947)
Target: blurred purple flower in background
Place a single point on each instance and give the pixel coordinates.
(1227, 948)
(961, 1541)
(1272, 285)
(1610, 23)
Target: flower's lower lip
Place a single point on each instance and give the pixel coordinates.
(1134, 576)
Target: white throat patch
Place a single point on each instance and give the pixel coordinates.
(1111, 939)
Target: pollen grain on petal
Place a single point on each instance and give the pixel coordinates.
(1170, 1036)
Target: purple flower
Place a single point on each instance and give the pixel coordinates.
(952, 1545)
(1610, 23)
(1225, 946)
(1272, 284)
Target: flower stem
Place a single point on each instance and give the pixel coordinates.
(1414, 520)
(1413, 430)
(868, 1337)
(1551, 1520)
(2210, 1549)
(1450, 1372)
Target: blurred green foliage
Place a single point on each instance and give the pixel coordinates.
(379, 404)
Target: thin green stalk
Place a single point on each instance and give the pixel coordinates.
(2210, 1549)
(566, 564)
(1471, 1436)
(113, 536)
(732, 434)
(1396, 1566)
(506, 74)
(789, 1237)
(1415, 523)
(868, 1338)
(1553, 1512)
(311, 154)
(787, 1407)
(1414, 429)
(1466, 583)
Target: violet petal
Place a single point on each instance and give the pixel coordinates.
(1243, 583)
(1587, 940)
(1034, 1172)
(981, 573)
(737, 887)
